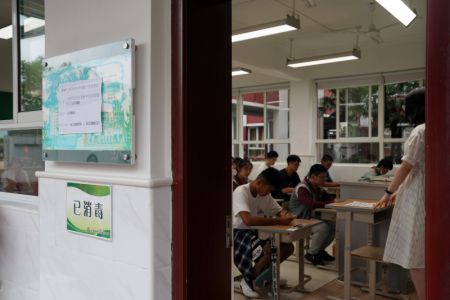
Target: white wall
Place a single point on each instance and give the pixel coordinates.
(136, 264)
(19, 251)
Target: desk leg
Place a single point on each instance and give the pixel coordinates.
(347, 254)
(277, 240)
(301, 265)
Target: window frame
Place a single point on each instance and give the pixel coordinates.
(20, 120)
(238, 95)
(359, 81)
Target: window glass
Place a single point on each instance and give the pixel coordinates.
(31, 53)
(234, 118)
(254, 152)
(257, 152)
(6, 96)
(235, 150)
(283, 150)
(354, 112)
(277, 114)
(351, 152)
(253, 117)
(394, 150)
(326, 114)
(395, 123)
(374, 102)
(20, 158)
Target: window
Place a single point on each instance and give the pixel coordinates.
(261, 118)
(350, 126)
(20, 158)
(21, 53)
(31, 53)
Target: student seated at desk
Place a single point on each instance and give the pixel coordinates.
(269, 161)
(252, 255)
(327, 162)
(243, 169)
(289, 179)
(382, 168)
(308, 196)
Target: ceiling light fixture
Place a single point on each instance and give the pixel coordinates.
(355, 53)
(240, 71)
(289, 24)
(324, 59)
(399, 10)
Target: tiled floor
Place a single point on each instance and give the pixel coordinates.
(289, 270)
(322, 284)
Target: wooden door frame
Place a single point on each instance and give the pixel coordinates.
(200, 140)
(201, 148)
(437, 222)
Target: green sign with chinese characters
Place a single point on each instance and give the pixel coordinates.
(88, 209)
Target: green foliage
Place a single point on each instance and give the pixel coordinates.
(31, 85)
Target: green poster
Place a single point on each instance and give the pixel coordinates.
(88, 209)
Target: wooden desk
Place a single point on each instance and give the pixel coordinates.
(367, 215)
(289, 234)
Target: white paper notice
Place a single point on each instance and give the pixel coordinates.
(79, 106)
(361, 204)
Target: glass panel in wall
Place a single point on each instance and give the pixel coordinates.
(351, 152)
(395, 123)
(20, 158)
(253, 117)
(234, 118)
(6, 86)
(326, 114)
(394, 150)
(375, 97)
(277, 114)
(31, 53)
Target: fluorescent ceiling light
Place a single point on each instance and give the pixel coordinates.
(29, 24)
(289, 24)
(398, 9)
(240, 71)
(324, 59)
(6, 32)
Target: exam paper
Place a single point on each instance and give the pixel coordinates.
(360, 204)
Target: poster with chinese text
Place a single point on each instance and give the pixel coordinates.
(88, 209)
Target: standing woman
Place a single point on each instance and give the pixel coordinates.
(244, 168)
(405, 245)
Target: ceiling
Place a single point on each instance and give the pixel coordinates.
(329, 27)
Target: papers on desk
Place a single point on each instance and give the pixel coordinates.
(360, 204)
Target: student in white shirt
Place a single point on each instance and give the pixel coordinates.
(253, 205)
(269, 161)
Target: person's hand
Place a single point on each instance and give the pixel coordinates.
(285, 219)
(386, 201)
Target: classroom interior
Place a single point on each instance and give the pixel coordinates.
(351, 110)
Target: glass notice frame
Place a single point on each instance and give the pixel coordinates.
(115, 64)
